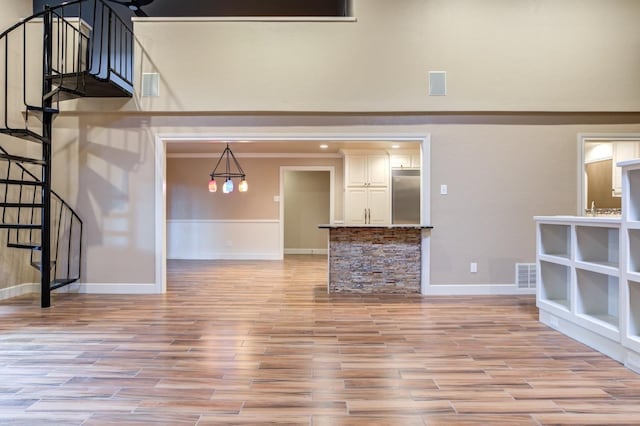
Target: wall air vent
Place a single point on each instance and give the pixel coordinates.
(150, 84)
(526, 275)
(437, 83)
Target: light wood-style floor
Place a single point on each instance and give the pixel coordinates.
(262, 343)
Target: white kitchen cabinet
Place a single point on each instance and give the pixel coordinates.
(367, 198)
(366, 169)
(405, 160)
(622, 151)
(367, 205)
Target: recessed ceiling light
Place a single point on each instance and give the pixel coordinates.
(395, 146)
(324, 146)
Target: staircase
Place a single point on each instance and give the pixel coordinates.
(77, 49)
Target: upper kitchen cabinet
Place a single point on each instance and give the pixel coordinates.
(371, 169)
(405, 160)
(622, 151)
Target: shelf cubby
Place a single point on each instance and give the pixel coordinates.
(555, 285)
(597, 296)
(634, 250)
(632, 212)
(555, 240)
(598, 244)
(634, 309)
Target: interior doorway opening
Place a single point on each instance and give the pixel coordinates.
(306, 198)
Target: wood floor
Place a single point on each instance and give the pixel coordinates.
(262, 343)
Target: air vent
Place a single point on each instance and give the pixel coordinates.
(526, 275)
(150, 84)
(437, 83)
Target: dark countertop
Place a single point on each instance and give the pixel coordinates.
(340, 226)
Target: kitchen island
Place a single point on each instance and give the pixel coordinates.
(375, 258)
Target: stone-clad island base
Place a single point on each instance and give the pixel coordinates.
(375, 259)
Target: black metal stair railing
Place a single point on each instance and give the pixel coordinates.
(80, 48)
(20, 195)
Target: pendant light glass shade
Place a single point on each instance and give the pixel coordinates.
(244, 186)
(228, 186)
(213, 186)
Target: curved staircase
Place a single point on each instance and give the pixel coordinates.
(77, 49)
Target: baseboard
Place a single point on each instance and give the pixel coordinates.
(230, 256)
(306, 251)
(476, 290)
(110, 288)
(19, 290)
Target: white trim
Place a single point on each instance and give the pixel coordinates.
(110, 288)
(255, 155)
(231, 256)
(306, 251)
(221, 221)
(19, 290)
(160, 215)
(477, 290)
(162, 139)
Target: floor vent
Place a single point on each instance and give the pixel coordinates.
(526, 275)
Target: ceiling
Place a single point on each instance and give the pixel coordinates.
(282, 147)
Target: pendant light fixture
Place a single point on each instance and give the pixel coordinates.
(227, 174)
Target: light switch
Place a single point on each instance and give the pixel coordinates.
(473, 268)
(444, 190)
(276, 198)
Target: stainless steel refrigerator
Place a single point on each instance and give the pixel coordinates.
(405, 196)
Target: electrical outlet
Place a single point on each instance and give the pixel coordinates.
(444, 190)
(473, 267)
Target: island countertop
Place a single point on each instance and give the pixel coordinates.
(399, 226)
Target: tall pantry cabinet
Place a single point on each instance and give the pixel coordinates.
(367, 195)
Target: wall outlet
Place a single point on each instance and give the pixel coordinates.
(229, 243)
(444, 190)
(473, 267)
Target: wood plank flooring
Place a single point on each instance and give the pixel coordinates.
(262, 343)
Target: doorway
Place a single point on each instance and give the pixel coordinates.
(306, 201)
(600, 179)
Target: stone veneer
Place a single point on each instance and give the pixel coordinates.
(374, 260)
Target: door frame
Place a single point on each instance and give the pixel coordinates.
(332, 194)
(161, 141)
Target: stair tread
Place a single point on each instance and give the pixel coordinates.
(24, 246)
(21, 159)
(19, 226)
(61, 282)
(23, 134)
(22, 205)
(20, 182)
(85, 84)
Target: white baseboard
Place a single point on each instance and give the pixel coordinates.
(306, 251)
(475, 290)
(229, 256)
(19, 290)
(110, 288)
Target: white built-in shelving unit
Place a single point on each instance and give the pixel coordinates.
(589, 275)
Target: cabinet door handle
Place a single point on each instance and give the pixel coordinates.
(365, 216)
(369, 212)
